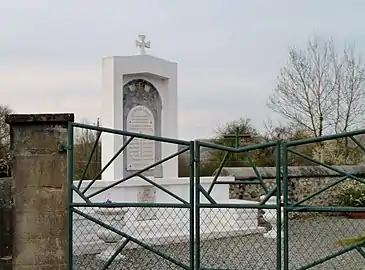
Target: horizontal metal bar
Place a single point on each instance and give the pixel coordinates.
(239, 182)
(236, 205)
(310, 208)
(237, 135)
(131, 238)
(253, 147)
(131, 205)
(325, 138)
(131, 134)
(217, 147)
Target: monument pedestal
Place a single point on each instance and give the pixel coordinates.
(169, 225)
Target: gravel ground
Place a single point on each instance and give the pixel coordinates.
(309, 239)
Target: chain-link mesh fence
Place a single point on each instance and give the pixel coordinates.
(140, 234)
(323, 196)
(224, 244)
(314, 238)
(236, 241)
(149, 243)
(244, 234)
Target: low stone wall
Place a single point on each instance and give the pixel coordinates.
(6, 227)
(303, 181)
(299, 188)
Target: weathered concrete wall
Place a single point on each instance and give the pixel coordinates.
(39, 190)
(303, 181)
(6, 227)
(247, 173)
(299, 188)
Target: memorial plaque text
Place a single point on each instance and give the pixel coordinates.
(140, 152)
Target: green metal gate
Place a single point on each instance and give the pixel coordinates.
(192, 243)
(329, 241)
(84, 223)
(237, 248)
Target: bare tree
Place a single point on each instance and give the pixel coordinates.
(321, 90)
(84, 144)
(350, 93)
(290, 132)
(214, 157)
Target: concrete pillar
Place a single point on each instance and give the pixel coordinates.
(39, 190)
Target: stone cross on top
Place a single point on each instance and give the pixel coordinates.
(142, 44)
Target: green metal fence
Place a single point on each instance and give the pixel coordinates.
(244, 248)
(310, 232)
(85, 223)
(314, 230)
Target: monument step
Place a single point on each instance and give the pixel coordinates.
(155, 226)
(160, 238)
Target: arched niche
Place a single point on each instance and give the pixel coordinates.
(142, 113)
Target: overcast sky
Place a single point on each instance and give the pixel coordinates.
(229, 52)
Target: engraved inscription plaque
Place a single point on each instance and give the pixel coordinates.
(142, 105)
(140, 152)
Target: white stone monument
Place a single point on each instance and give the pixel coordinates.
(139, 95)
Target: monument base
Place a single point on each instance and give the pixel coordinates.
(215, 223)
(169, 225)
